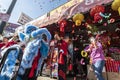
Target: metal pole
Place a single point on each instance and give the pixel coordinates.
(9, 11)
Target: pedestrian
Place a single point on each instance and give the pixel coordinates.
(97, 57)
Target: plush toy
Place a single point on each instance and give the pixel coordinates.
(10, 62)
(35, 51)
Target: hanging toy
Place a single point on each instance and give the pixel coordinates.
(105, 15)
(62, 24)
(82, 61)
(119, 10)
(84, 53)
(97, 13)
(115, 5)
(112, 20)
(78, 18)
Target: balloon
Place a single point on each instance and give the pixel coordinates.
(116, 0)
(105, 16)
(115, 6)
(78, 17)
(84, 54)
(97, 17)
(78, 22)
(93, 11)
(97, 9)
(119, 10)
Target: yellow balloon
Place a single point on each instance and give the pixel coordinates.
(115, 6)
(84, 54)
(116, 0)
(77, 22)
(78, 16)
(119, 10)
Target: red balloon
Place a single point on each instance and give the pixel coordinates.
(97, 9)
(97, 17)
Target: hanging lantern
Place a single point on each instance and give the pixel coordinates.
(119, 10)
(77, 22)
(78, 17)
(115, 6)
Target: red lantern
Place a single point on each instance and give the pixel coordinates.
(97, 9)
(97, 17)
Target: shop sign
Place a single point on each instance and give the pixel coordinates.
(4, 17)
(10, 27)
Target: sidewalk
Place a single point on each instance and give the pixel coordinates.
(45, 78)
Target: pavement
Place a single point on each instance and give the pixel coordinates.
(45, 78)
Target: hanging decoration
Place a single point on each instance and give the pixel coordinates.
(112, 20)
(84, 54)
(82, 62)
(62, 24)
(119, 10)
(77, 22)
(97, 18)
(97, 13)
(78, 18)
(115, 5)
(97, 9)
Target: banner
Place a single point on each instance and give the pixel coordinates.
(68, 10)
(84, 6)
(10, 27)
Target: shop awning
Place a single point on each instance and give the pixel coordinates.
(68, 12)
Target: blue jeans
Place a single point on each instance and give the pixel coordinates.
(98, 67)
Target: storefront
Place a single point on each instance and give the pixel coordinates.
(102, 19)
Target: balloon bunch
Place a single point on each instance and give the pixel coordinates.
(116, 6)
(97, 13)
(78, 18)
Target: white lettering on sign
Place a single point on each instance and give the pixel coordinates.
(89, 2)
